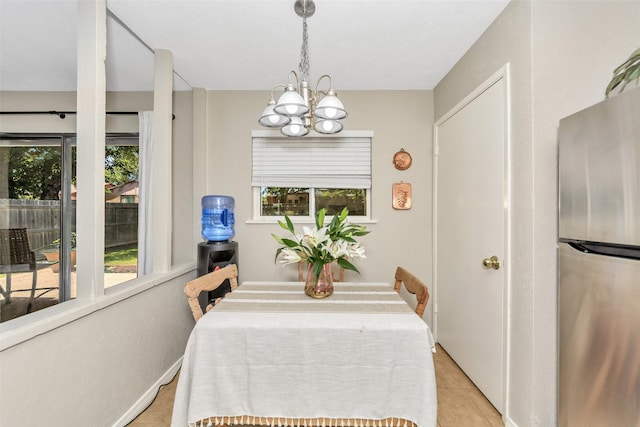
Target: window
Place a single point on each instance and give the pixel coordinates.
(38, 192)
(299, 176)
(127, 199)
(121, 208)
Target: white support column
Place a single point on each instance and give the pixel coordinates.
(161, 173)
(91, 100)
(200, 178)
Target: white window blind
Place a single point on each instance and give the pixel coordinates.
(340, 162)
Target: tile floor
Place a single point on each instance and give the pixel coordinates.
(460, 403)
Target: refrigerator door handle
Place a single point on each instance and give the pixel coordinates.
(618, 251)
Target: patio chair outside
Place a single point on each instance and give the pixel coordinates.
(16, 256)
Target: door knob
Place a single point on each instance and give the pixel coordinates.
(492, 262)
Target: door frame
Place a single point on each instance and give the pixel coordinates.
(502, 74)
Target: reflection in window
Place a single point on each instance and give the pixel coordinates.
(336, 199)
(280, 201)
(121, 209)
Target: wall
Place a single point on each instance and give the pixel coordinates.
(399, 119)
(182, 179)
(507, 41)
(106, 365)
(562, 54)
(93, 370)
(66, 101)
(576, 47)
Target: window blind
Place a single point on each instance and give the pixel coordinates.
(337, 162)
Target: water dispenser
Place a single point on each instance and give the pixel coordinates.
(217, 251)
(217, 218)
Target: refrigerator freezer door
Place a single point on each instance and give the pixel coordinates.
(599, 172)
(599, 340)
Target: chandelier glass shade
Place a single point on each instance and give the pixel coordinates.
(299, 108)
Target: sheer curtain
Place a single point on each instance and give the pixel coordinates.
(145, 255)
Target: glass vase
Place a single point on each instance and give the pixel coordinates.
(321, 287)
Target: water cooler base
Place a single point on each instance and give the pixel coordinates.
(210, 256)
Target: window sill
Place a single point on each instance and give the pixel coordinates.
(27, 327)
(307, 221)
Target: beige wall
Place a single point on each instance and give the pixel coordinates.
(93, 370)
(507, 41)
(562, 54)
(66, 101)
(37, 101)
(399, 119)
(107, 364)
(182, 181)
(576, 47)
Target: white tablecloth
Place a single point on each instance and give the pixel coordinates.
(268, 350)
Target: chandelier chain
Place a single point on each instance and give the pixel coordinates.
(304, 51)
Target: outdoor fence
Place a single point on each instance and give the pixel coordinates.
(42, 220)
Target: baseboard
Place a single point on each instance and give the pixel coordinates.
(146, 399)
(508, 422)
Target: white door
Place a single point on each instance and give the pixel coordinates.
(470, 217)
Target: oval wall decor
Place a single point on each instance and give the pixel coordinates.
(402, 160)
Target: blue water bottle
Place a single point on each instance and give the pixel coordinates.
(217, 218)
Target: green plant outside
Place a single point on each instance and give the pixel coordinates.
(56, 243)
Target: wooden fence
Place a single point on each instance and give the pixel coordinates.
(42, 220)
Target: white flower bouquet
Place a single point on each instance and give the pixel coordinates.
(322, 244)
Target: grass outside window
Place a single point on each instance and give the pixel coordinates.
(121, 259)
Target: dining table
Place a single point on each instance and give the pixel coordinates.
(269, 355)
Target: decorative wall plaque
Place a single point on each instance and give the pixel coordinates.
(402, 160)
(401, 196)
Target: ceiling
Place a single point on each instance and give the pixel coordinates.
(245, 44)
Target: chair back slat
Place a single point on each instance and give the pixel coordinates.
(209, 282)
(15, 248)
(414, 286)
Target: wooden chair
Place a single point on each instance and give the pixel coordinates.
(414, 286)
(209, 282)
(303, 268)
(16, 256)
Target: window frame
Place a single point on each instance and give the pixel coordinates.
(66, 143)
(256, 190)
(257, 202)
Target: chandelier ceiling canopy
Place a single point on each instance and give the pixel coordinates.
(300, 108)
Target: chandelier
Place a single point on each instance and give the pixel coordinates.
(300, 108)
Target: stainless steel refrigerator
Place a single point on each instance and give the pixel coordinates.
(599, 264)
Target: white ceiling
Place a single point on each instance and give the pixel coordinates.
(245, 44)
